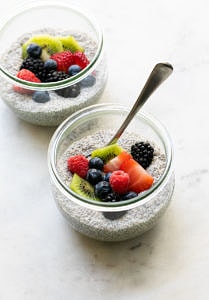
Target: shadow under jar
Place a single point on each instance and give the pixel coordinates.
(58, 19)
(92, 128)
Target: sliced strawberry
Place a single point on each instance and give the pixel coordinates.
(115, 163)
(140, 179)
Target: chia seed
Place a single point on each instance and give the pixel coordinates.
(58, 108)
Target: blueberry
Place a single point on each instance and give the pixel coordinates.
(94, 176)
(88, 81)
(96, 163)
(50, 64)
(73, 70)
(107, 176)
(129, 195)
(70, 91)
(102, 189)
(41, 96)
(34, 50)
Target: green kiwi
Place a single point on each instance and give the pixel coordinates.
(70, 43)
(107, 153)
(82, 187)
(48, 43)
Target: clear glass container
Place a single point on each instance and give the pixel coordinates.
(101, 220)
(58, 18)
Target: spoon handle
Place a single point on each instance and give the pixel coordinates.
(160, 73)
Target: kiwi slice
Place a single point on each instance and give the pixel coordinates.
(48, 43)
(107, 153)
(70, 43)
(82, 187)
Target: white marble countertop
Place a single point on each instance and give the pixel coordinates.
(41, 257)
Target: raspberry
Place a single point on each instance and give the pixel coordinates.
(80, 59)
(64, 60)
(119, 181)
(78, 164)
(28, 76)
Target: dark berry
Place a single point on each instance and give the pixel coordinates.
(41, 96)
(143, 153)
(114, 215)
(112, 197)
(73, 70)
(53, 76)
(88, 81)
(96, 163)
(129, 195)
(34, 50)
(35, 65)
(70, 91)
(107, 176)
(50, 64)
(94, 176)
(102, 189)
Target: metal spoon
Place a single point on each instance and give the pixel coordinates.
(159, 74)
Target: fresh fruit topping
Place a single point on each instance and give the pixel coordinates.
(102, 189)
(35, 65)
(143, 153)
(88, 81)
(73, 70)
(96, 163)
(64, 60)
(82, 187)
(53, 76)
(140, 179)
(70, 43)
(80, 59)
(41, 96)
(28, 76)
(107, 153)
(34, 50)
(129, 195)
(71, 91)
(78, 164)
(112, 197)
(115, 163)
(93, 176)
(119, 181)
(106, 176)
(50, 64)
(49, 45)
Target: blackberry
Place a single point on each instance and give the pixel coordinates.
(35, 65)
(71, 91)
(53, 76)
(112, 197)
(143, 153)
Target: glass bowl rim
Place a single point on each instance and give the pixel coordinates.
(26, 6)
(141, 199)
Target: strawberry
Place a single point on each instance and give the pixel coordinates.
(119, 181)
(140, 179)
(78, 164)
(80, 59)
(115, 163)
(64, 60)
(27, 75)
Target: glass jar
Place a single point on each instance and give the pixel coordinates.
(110, 221)
(58, 18)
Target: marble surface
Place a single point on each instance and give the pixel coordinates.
(41, 257)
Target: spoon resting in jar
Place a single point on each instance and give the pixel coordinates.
(158, 75)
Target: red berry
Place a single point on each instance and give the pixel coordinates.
(80, 59)
(119, 181)
(27, 75)
(64, 60)
(78, 164)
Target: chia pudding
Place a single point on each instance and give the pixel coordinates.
(122, 221)
(53, 112)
